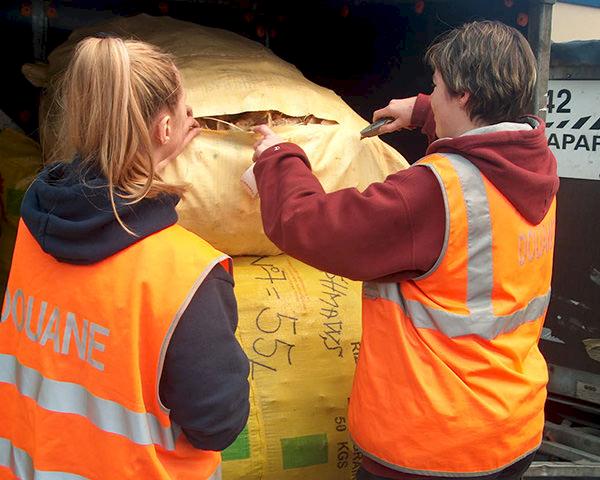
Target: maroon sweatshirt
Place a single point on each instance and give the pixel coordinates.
(394, 230)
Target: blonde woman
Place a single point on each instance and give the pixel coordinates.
(118, 356)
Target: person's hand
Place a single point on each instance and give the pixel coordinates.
(401, 110)
(192, 127)
(269, 138)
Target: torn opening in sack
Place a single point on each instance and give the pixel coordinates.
(246, 120)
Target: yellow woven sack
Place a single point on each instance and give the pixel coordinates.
(301, 331)
(225, 75)
(219, 208)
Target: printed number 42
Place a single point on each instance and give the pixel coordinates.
(562, 107)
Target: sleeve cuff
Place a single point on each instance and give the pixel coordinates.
(421, 111)
(276, 153)
(283, 150)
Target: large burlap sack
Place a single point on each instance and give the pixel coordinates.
(20, 160)
(301, 331)
(224, 75)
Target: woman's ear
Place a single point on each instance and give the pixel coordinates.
(162, 129)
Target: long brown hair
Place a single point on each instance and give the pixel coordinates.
(106, 101)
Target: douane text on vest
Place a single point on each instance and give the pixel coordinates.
(536, 242)
(50, 325)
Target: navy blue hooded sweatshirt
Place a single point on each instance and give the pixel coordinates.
(204, 379)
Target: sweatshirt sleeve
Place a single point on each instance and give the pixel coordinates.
(422, 117)
(204, 380)
(392, 230)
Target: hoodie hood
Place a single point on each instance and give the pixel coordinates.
(516, 161)
(68, 210)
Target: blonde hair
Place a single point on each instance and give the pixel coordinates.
(491, 61)
(107, 99)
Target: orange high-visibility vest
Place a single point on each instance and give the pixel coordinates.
(81, 354)
(450, 380)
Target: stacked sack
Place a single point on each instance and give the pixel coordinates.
(299, 327)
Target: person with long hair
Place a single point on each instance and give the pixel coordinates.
(118, 356)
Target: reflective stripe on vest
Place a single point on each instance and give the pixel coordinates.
(19, 462)
(218, 475)
(67, 397)
(480, 320)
